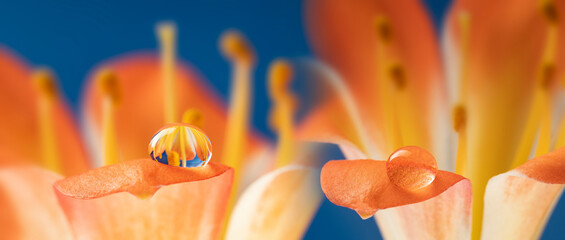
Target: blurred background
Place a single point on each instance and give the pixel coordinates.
(72, 37)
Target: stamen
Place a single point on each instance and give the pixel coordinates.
(544, 138)
(459, 111)
(385, 72)
(280, 76)
(460, 126)
(167, 34)
(549, 11)
(240, 54)
(540, 112)
(109, 86)
(237, 50)
(45, 83)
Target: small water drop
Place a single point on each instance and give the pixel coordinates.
(411, 168)
(180, 144)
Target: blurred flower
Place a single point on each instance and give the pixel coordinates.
(264, 196)
(502, 64)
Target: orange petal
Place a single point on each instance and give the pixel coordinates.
(20, 124)
(279, 205)
(363, 185)
(173, 202)
(29, 206)
(324, 124)
(343, 34)
(518, 203)
(445, 216)
(140, 112)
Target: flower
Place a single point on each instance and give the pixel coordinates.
(125, 102)
(501, 64)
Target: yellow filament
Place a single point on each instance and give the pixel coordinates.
(108, 84)
(280, 75)
(167, 34)
(544, 136)
(460, 112)
(44, 81)
(240, 54)
(539, 117)
(392, 130)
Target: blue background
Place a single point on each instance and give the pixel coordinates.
(73, 36)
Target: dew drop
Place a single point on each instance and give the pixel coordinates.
(180, 144)
(411, 168)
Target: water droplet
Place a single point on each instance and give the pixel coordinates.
(411, 168)
(182, 145)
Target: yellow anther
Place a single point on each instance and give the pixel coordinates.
(398, 76)
(109, 86)
(549, 11)
(44, 81)
(167, 34)
(193, 117)
(236, 48)
(280, 76)
(384, 30)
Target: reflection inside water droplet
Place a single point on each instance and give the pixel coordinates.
(182, 145)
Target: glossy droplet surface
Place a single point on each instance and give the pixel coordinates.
(182, 145)
(411, 168)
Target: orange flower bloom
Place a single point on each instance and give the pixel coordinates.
(125, 102)
(501, 62)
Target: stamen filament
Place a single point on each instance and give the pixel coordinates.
(240, 54)
(280, 75)
(392, 130)
(540, 113)
(45, 83)
(460, 112)
(108, 85)
(167, 34)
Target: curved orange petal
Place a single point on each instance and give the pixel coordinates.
(518, 203)
(325, 124)
(363, 185)
(445, 216)
(279, 205)
(343, 34)
(171, 202)
(29, 207)
(20, 122)
(140, 111)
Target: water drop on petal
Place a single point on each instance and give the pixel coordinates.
(182, 145)
(411, 168)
